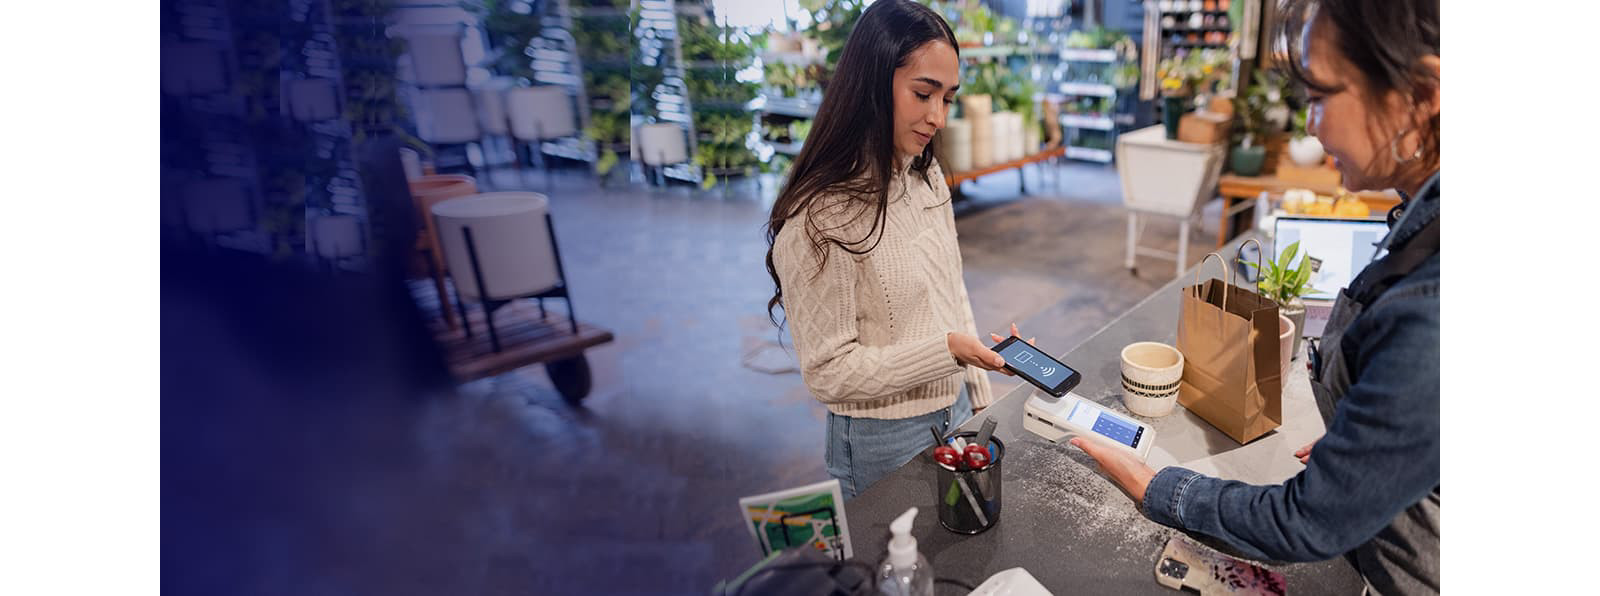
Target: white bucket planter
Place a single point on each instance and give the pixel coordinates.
(1151, 374)
(515, 255)
(977, 110)
(955, 146)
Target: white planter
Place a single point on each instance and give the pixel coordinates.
(1151, 374)
(539, 113)
(662, 143)
(1306, 151)
(511, 240)
(447, 116)
(955, 146)
(337, 236)
(435, 52)
(1164, 176)
(977, 110)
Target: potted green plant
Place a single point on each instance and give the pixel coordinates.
(1286, 286)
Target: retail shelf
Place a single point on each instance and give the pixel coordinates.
(585, 12)
(1089, 154)
(1088, 55)
(1092, 122)
(786, 148)
(793, 107)
(728, 64)
(792, 58)
(1093, 89)
(1003, 50)
(570, 148)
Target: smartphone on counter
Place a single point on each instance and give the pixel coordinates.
(1188, 567)
(1037, 367)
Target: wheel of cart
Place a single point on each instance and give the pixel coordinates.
(503, 258)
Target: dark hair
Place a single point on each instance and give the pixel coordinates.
(851, 150)
(1384, 40)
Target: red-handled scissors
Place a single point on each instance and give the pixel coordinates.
(948, 457)
(977, 457)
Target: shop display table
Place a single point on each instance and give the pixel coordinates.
(1240, 192)
(954, 179)
(1063, 521)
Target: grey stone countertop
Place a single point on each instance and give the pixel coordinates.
(1061, 519)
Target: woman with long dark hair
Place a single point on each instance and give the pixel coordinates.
(1370, 489)
(863, 251)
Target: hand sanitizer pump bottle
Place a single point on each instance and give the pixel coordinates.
(904, 572)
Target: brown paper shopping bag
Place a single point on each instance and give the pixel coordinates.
(1231, 373)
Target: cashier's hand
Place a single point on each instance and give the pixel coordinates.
(1123, 468)
(968, 350)
(997, 339)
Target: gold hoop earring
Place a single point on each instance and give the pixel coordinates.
(1394, 148)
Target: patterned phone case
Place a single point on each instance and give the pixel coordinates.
(1186, 565)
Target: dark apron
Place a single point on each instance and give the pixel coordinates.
(1404, 557)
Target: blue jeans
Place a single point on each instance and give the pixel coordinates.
(862, 450)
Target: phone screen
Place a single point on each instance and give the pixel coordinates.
(1038, 366)
(1106, 424)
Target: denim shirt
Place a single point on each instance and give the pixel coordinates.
(1380, 456)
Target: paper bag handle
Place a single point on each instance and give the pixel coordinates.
(1227, 278)
(1259, 252)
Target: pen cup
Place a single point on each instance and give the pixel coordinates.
(969, 501)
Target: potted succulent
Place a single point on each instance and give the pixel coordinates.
(1286, 286)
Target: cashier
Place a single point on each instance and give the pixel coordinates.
(1370, 488)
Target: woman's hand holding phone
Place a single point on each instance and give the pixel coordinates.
(968, 350)
(997, 339)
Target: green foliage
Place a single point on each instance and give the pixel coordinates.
(723, 128)
(602, 38)
(1097, 37)
(1301, 120)
(1279, 282)
(1011, 91)
(1268, 91)
(831, 24)
(509, 33)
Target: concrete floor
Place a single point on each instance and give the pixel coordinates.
(678, 427)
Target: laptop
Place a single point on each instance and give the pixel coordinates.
(1339, 249)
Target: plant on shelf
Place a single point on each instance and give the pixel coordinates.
(831, 24)
(1097, 37)
(789, 80)
(718, 94)
(1185, 75)
(510, 26)
(1287, 286)
(1254, 124)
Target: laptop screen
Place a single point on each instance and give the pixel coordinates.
(1341, 248)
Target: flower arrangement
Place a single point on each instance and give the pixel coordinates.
(1189, 73)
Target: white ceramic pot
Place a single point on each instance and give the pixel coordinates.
(1306, 151)
(1286, 333)
(1151, 374)
(515, 254)
(976, 109)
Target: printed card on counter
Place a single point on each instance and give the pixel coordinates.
(810, 516)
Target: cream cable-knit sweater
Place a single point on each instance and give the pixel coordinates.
(870, 329)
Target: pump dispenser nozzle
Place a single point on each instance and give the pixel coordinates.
(903, 547)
